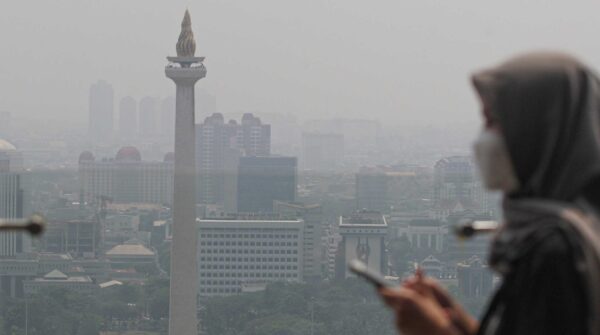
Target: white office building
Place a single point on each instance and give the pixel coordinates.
(237, 252)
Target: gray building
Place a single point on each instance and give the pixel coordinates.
(101, 110)
(126, 178)
(372, 190)
(167, 117)
(457, 187)
(263, 180)
(13, 200)
(218, 148)
(80, 238)
(314, 267)
(128, 119)
(248, 251)
(148, 116)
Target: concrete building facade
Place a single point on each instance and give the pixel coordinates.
(238, 251)
(126, 178)
(363, 238)
(263, 180)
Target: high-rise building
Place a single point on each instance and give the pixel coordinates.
(254, 137)
(185, 70)
(167, 117)
(148, 116)
(457, 188)
(218, 148)
(322, 151)
(372, 189)
(388, 188)
(360, 135)
(126, 178)
(101, 110)
(363, 238)
(263, 180)
(13, 202)
(215, 148)
(128, 120)
(243, 253)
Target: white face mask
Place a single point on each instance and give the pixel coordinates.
(494, 163)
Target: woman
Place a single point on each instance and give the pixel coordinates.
(540, 146)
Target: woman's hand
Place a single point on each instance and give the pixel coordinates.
(423, 307)
(417, 314)
(460, 318)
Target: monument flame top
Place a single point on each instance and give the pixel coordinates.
(186, 45)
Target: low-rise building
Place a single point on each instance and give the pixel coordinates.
(57, 279)
(130, 254)
(363, 238)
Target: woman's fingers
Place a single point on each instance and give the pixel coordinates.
(398, 298)
(428, 286)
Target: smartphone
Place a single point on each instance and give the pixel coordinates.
(360, 269)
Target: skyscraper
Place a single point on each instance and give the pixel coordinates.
(254, 137)
(167, 117)
(101, 109)
(128, 121)
(185, 70)
(218, 148)
(372, 189)
(262, 180)
(12, 200)
(457, 188)
(148, 112)
(215, 145)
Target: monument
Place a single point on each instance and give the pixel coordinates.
(185, 70)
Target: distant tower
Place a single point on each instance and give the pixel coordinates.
(128, 125)
(101, 110)
(148, 116)
(167, 117)
(185, 70)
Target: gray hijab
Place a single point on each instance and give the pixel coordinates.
(548, 108)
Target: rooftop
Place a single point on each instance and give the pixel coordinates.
(130, 250)
(364, 217)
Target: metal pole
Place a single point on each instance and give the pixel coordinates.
(312, 317)
(26, 316)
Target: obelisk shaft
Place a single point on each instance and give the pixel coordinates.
(182, 318)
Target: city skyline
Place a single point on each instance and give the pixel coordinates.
(390, 76)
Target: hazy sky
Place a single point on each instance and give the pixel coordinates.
(403, 61)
